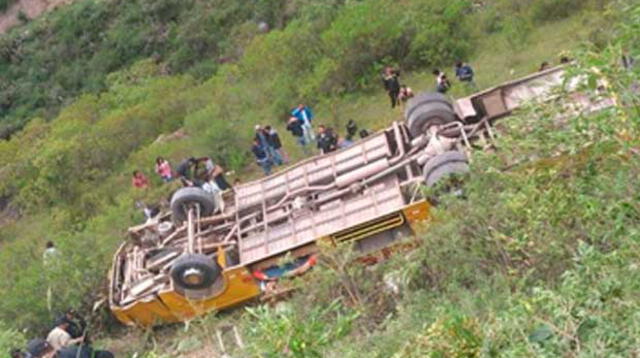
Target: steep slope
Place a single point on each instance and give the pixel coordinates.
(70, 176)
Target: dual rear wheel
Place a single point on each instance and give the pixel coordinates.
(434, 109)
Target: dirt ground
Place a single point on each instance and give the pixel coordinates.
(31, 8)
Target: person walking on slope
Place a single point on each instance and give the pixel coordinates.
(273, 138)
(263, 138)
(304, 115)
(442, 82)
(261, 156)
(391, 84)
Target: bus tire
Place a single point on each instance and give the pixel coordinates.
(185, 197)
(427, 115)
(443, 165)
(423, 98)
(195, 272)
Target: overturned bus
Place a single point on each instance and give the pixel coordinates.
(210, 253)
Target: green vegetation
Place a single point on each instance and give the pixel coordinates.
(537, 261)
(5, 4)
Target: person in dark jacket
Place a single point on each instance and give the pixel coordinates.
(327, 141)
(186, 171)
(352, 128)
(273, 138)
(464, 73)
(263, 137)
(261, 156)
(295, 127)
(391, 84)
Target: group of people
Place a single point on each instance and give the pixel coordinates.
(268, 150)
(398, 93)
(162, 168)
(202, 172)
(464, 74)
(267, 146)
(67, 339)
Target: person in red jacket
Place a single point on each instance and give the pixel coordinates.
(139, 180)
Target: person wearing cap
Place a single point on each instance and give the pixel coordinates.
(59, 336)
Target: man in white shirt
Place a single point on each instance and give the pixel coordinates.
(59, 337)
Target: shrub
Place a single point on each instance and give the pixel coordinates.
(550, 10)
(284, 332)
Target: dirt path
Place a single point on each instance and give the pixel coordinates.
(31, 8)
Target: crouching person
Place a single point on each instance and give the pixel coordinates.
(39, 348)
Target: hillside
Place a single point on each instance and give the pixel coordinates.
(12, 11)
(537, 260)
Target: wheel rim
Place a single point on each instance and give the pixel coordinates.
(193, 276)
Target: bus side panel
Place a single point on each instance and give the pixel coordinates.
(417, 213)
(240, 286)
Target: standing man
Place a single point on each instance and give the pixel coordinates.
(464, 73)
(274, 141)
(261, 156)
(295, 127)
(304, 115)
(263, 138)
(391, 84)
(326, 140)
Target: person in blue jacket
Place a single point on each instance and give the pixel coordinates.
(465, 74)
(304, 115)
